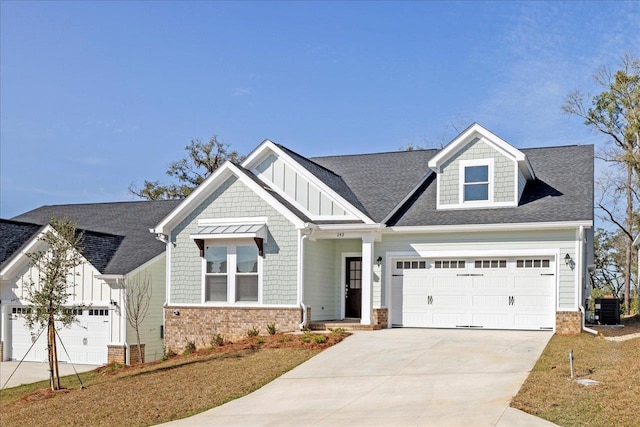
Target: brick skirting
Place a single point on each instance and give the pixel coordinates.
(133, 354)
(201, 324)
(568, 322)
(381, 317)
(116, 354)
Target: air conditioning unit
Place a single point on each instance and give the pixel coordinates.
(607, 311)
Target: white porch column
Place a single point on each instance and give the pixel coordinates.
(367, 279)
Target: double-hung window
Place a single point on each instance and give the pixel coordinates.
(231, 272)
(476, 181)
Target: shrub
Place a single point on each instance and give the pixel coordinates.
(190, 348)
(217, 340)
(271, 328)
(260, 340)
(253, 332)
(305, 338)
(284, 338)
(337, 330)
(319, 339)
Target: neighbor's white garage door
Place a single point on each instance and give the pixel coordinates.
(85, 341)
(496, 293)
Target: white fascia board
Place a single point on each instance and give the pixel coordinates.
(351, 227)
(21, 253)
(199, 194)
(180, 211)
(258, 153)
(560, 225)
(486, 136)
(636, 241)
(110, 278)
(408, 196)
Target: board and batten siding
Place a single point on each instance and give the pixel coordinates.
(83, 287)
(310, 198)
(562, 241)
(504, 170)
(155, 271)
(234, 199)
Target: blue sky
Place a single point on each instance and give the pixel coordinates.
(95, 96)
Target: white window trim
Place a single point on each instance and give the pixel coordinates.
(231, 246)
(475, 162)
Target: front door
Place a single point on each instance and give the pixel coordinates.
(353, 287)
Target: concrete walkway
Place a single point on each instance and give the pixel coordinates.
(396, 377)
(30, 372)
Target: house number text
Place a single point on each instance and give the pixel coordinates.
(339, 234)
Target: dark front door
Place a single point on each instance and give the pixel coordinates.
(353, 287)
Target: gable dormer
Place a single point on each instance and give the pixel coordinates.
(315, 191)
(480, 170)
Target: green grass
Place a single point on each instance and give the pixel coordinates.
(549, 392)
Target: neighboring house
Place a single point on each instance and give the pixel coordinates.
(478, 234)
(117, 248)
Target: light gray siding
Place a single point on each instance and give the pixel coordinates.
(503, 173)
(560, 241)
(320, 285)
(155, 271)
(234, 199)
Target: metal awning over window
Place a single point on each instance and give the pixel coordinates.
(257, 232)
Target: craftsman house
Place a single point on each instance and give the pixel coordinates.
(479, 234)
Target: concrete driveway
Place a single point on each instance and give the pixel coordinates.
(396, 377)
(30, 372)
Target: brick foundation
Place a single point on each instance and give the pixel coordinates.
(133, 354)
(568, 322)
(116, 354)
(201, 324)
(381, 317)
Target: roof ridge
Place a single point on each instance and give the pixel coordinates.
(378, 153)
(307, 159)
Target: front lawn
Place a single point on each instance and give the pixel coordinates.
(549, 392)
(162, 391)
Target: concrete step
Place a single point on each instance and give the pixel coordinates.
(348, 326)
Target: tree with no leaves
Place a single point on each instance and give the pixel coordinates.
(48, 297)
(138, 291)
(202, 160)
(615, 112)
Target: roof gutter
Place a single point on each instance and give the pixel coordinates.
(559, 225)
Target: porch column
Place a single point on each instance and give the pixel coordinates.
(367, 279)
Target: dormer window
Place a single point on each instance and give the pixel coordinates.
(476, 183)
(475, 177)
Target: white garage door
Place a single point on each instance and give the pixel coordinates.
(85, 341)
(495, 293)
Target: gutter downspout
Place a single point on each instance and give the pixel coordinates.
(581, 256)
(303, 237)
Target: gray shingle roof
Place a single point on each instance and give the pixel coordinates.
(563, 191)
(380, 181)
(117, 238)
(13, 236)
